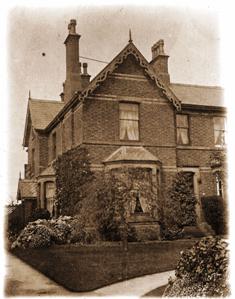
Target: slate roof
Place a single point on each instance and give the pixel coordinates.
(198, 95)
(27, 189)
(42, 112)
(131, 153)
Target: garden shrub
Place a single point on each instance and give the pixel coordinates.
(61, 231)
(34, 236)
(40, 213)
(202, 270)
(214, 210)
(179, 209)
(73, 176)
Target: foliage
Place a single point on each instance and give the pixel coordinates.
(218, 162)
(109, 205)
(215, 213)
(40, 213)
(65, 229)
(14, 225)
(73, 174)
(179, 210)
(202, 270)
(34, 236)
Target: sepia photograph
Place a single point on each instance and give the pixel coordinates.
(116, 130)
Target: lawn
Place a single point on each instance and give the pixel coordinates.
(88, 267)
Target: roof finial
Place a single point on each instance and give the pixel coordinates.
(29, 94)
(130, 38)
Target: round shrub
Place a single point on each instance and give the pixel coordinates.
(202, 270)
(61, 231)
(34, 236)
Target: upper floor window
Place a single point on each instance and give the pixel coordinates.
(129, 121)
(220, 131)
(182, 129)
(54, 145)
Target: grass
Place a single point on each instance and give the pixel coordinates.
(88, 267)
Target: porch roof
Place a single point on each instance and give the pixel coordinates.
(27, 189)
(131, 153)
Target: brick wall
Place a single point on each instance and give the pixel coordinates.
(130, 66)
(190, 157)
(201, 130)
(78, 125)
(43, 151)
(101, 120)
(128, 87)
(157, 123)
(67, 132)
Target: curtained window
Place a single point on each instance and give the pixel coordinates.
(129, 121)
(219, 131)
(182, 129)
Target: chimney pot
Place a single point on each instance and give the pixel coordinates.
(160, 61)
(72, 26)
(85, 68)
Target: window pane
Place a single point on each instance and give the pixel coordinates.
(129, 130)
(219, 123)
(129, 111)
(182, 120)
(182, 136)
(219, 138)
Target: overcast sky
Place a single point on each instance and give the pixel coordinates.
(191, 39)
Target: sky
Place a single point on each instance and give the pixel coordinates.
(192, 40)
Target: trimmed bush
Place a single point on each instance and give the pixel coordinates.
(179, 207)
(214, 209)
(202, 270)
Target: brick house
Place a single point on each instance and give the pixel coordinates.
(130, 115)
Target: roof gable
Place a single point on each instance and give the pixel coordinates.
(109, 69)
(117, 61)
(39, 114)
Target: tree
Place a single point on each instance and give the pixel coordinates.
(180, 204)
(73, 174)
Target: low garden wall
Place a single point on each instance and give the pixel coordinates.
(88, 267)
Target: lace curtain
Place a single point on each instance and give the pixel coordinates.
(129, 121)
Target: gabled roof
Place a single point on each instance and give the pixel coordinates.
(198, 95)
(131, 153)
(130, 49)
(39, 114)
(43, 111)
(27, 189)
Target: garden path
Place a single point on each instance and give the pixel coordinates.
(22, 280)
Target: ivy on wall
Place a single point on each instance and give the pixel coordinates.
(73, 174)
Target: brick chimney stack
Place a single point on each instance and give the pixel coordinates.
(85, 76)
(73, 82)
(160, 61)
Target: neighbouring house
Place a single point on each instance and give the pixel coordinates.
(131, 115)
